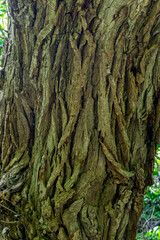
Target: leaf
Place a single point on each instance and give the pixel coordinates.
(158, 161)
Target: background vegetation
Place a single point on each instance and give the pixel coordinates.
(3, 27)
(149, 223)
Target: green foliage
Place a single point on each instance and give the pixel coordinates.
(153, 234)
(3, 25)
(148, 228)
(3, 20)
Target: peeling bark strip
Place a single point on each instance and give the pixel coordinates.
(79, 118)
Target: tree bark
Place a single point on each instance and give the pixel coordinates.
(79, 118)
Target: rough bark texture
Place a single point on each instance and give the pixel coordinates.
(79, 118)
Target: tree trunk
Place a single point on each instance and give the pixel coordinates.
(79, 118)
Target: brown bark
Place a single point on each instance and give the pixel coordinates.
(79, 118)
